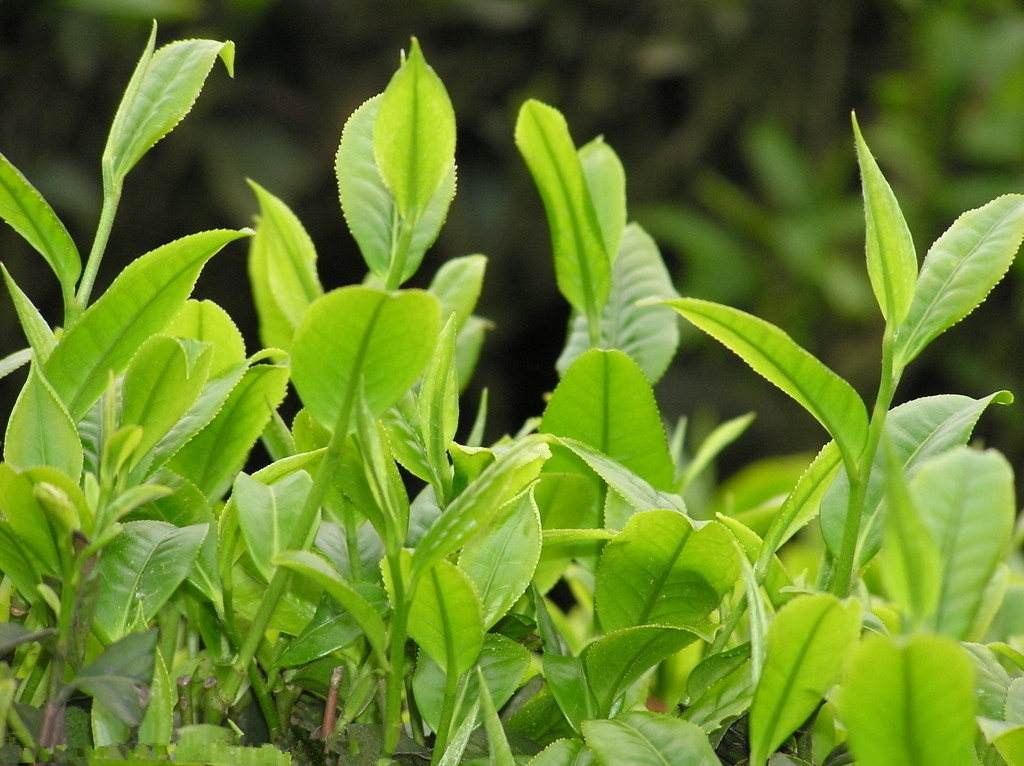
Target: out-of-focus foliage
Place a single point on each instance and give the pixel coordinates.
(733, 117)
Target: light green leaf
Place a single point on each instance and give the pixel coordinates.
(15, 361)
(15, 561)
(282, 269)
(157, 724)
(40, 431)
(460, 738)
(267, 515)
(445, 618)
(439, 409)
(909, 703)
(28, 522)
(500, 563)
(960, 270)
(773, 354)
(563, 752)
(661, 570)
(807, 645)
(468, 347)
(457, 285)
(605, 401)
(967, 500)
(892, 259)
(360, 337)
(213, 456)
(649, 739)
(606, 184)
(206, 321)
(162, 382)
(118, 677)
(414, 134)
(481, 502)
(500, 754)
(582, 266)
(162, 90)
(724, 435)
(140, 570)
(37, 331)
(31, 216)
(140, 302)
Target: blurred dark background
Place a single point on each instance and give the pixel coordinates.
(731, 117)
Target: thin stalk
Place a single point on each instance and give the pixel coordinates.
(846, 562)
(451, 695)
(396, 652)
(399, 255)
(111, 198)
(733, 621)
(21, 731)
(594, 328)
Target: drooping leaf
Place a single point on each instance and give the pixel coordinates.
(140, 302)
(40, 431)
(25, 210)
(118, 678)
(661, 570)
(582, 266)
(961, 268)
(606, 184)
(414, 134)
(358, 336)
(207, 322)
(909, 702)
(282, 269)
(140, 570)
(649, 739)
(773, 354)
(445, 618)
(892, 259)
(162, 90)
(36, 329)
(268, 514)
(807, 645)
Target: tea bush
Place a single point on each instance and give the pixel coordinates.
(388, 585)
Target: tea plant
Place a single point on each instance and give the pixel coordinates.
(379, 588)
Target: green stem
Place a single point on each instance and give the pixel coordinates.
(594, 328)
(396, 651)
(846, 562)
(451, 694)
(21, 731)
(735, 615)
(399, 255)
(111, 198)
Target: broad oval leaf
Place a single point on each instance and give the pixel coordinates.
(660, 569)
(582, 266)
(960, 270)
(117, 679)
(25, 210)
(140, 302)
(268, 515)
(806, 647)
(414, 134)
(649, 739)
(207, 322)
(909, 703)
(773, 354)
(563, 752)
(457, 284)
(358, 337)
(892, 259)
(445, 617)
(162, 90)
(40, 431)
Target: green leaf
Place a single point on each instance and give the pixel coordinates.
(414, 134)
(960, 270)
(500, 754)
(649, 739)
(582, 266)
(438, 401)
(37, 331)
(162, 90)
(360, 337)
(773, 354)
(892, 259)
(118, 678)
(206, 321)
(139, 303)
(31, 216)
(457, 285)
(481, 502)
(140, 570)
(460, 738)
(267, 515)
(967, 500)
(500, 563)
(910, 558)
(40, 431)
(649, 334)
(332, 628)
(282, 270)
(367, 204)
(720, 688)
(563, 752)
(15, 562)
(605, 401)
(606, 185)
(314, 568)
(157, 725)
(662, 570)
(15, 361)
(214, 455)
(162, 382)
(14, 634)
(724, 435)
(445, 618)
(27, 521)
(909, 703)
(807, 644)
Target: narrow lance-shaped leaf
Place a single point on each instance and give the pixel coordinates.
(497, 742)
(267, 515)
(773, 354)
(139, 303)
(439, 409)
(892, 259)
(25, 210)
(606, 183)
(37, 331)
(723, 435)
(40, 431)
(445, 618)
(582, 266)
(961, 268)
